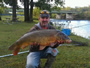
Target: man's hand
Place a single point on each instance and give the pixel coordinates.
(56, 44)
(35, 44)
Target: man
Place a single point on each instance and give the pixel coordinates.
(33, 59)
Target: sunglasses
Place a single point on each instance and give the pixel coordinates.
(43, 12)
(44, 17)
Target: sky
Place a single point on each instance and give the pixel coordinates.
(77, 3)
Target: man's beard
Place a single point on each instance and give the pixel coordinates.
(44, 22)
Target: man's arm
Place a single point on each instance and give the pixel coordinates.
(34, 28)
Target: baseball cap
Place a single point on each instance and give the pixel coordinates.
(44, 13)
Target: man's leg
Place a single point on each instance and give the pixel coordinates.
(50, 60)
(39, 66)
(52, 53)
(33, 60)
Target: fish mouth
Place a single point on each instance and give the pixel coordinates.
(68, 41)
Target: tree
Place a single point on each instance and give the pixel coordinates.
(31, 11)
(45, 5)
(13, 4)
(42, 4)
(1, 9)
(1, 1)
(26, 10)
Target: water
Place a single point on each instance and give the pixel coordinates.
(78, 27)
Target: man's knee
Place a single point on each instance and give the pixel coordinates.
(30, 65)
(50, 60)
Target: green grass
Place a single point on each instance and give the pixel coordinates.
(20, 17)
(68, 57)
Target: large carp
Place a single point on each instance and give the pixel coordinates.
(43, 37)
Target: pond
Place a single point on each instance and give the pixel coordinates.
(78, 27)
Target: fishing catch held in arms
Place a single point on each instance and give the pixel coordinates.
(43, 37)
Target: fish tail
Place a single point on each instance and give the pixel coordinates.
(12, 46)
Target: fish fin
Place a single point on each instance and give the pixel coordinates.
(42, 47)
(12, 47)
(23, 46)
(15, 51)
(53, 44)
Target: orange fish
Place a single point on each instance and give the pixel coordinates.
(43, 37)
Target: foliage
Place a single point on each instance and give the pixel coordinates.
(87, 15)
(53, 16)
(20, 13)
(83, 12)
(1, 10)
(89, 37)
(11, 2)
(67, 8)
(59, 2)
(44, 4)
(36, 12)
(56, 8)
(2, 7)
(0, 0)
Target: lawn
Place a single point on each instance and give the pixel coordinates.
(68, 57)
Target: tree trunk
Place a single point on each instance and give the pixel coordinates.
(26, 10)
(14, 10)
(31, 11)
(0, 18)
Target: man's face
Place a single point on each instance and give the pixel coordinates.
(44, 21)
